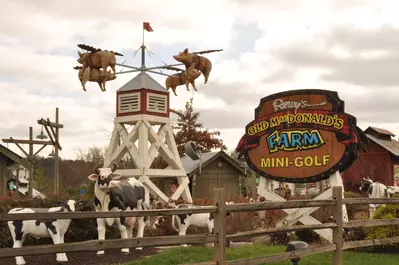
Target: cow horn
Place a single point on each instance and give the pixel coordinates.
(113, 167)
(95, 169)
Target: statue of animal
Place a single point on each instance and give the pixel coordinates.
(96, 76)
(197, 62)
(54, 229)
(374, 190)
(113, 194)
(186, 77)
(97, 59)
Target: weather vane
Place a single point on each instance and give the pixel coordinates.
(94, 63)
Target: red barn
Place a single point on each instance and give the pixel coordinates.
(378, 163)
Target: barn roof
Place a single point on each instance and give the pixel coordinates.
(10, 154)
(140, 81)
(391, 145)
(192, 166)
(380, 131)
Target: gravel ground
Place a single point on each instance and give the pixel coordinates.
(112, 256)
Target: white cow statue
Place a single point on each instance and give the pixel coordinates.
(55, 229)
(184, 221)
(374, 190)
(112, 194)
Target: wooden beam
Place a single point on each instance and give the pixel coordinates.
(131, 148)
(50, 135)
(95, 245)
(55, 133)
(40, 149)
(30, 158)
(23, 151)
(157, 173)
(183, 185)
(48, 123)
(19, 141)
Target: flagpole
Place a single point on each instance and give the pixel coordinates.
(143, 51)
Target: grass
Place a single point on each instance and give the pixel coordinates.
(175, 256)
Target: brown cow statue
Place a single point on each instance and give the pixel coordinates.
(97, 59)
(195, 61)
(186, 77)
(95, 77)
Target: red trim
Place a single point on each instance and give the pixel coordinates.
(143, 103)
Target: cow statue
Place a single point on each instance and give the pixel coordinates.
(113, 194)
(184, 221)
(186, 77)
(55, 229)
(96, 76)
(374, 190)
(201, 63)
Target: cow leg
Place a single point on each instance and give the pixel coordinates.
(101, 232)
(210, 229)
(19, 260)
(63, 255)
(182, 232)
(123, 231)
(56, 237)
(140, 222)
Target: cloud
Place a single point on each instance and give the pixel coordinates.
(348, 46)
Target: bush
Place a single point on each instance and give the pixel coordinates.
(389, 211)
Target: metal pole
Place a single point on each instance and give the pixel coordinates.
(30, 160)
(56, 165)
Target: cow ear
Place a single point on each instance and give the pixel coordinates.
(116, 176)
(93, 177)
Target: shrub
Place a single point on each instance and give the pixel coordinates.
(388, 211)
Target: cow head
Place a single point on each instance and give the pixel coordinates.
(365, 184)
(69, 206)
(104, 177)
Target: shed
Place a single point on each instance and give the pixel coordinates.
(7, 159)
(217, 169)
(378, 163)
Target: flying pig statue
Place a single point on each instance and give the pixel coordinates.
(195, 61)
(186, 77)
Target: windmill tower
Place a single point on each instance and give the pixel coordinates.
(144, 104)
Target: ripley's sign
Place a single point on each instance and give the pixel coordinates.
(301, 136)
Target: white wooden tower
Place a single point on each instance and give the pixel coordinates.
(144, 104)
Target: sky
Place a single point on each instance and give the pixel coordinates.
(349, 46)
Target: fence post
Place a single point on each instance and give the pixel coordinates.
(338, 234)
(219, 228)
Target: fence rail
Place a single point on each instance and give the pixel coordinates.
(219, 236)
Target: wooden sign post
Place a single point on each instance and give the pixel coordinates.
(54, 140)
(301, 136)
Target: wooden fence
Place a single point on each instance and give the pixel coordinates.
(219, 236)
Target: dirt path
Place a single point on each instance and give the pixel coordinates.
(112, 256)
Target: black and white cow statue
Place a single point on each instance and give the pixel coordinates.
(55, 229)
(374, 190)
(184, 221)
(113, 194)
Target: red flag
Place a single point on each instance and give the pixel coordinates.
(147, 26)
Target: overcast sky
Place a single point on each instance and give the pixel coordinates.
(269, 46)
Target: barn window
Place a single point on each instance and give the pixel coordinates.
(156, 103)
(129, 102)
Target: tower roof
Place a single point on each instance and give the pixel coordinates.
(142, 80)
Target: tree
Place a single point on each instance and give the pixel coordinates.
(189, 129)
(41, 183)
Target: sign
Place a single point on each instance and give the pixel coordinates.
(301, 136)
(11, 186)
